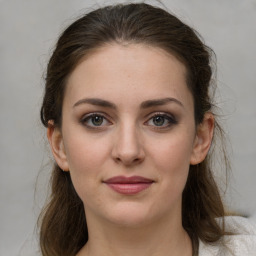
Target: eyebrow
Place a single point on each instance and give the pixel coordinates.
(145, 104)
(159, 102)
(95, 101)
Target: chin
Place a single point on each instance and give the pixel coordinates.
(130, 215)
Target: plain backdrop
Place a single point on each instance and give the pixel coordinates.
(28, 31)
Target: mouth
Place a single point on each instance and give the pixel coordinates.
(128, 185)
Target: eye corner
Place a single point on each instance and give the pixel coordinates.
(161, 120)
(95, 121)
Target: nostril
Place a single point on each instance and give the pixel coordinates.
(128, 160)
(118, 159)
(127, 149)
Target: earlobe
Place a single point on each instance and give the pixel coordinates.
(56, 143)
(203, 139)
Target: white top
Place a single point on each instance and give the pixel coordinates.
(242, 244)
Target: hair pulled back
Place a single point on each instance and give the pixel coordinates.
(63, 228)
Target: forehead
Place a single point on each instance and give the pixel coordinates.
(121, 71)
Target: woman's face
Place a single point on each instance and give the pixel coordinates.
(128, 134)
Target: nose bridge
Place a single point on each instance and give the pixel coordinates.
(128, 148)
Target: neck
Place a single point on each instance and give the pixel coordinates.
(157, 239)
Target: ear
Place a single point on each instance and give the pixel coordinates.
(203, 139)
(56, 143)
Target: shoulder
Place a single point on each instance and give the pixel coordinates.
(242, 243)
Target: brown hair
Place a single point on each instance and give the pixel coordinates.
(63, 223)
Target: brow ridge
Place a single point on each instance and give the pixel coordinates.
(95, 101)
(159, 102)
(143, 105)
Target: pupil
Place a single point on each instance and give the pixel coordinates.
(158, 120)
(97, 120)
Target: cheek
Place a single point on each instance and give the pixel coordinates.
(85, 158)
(172, 160)
(174, 152)
(85, 153)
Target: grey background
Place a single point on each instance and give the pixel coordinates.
(28, 31)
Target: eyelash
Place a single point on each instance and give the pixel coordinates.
(85, 120)
(170, 119)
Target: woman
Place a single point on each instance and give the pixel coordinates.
(130, 123)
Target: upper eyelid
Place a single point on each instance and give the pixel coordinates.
(170, 117)
(103, 114)
(110, 119)
(87, 116)
(160, 113)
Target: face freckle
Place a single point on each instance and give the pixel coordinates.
(127, 112)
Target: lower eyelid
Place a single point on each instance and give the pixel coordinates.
(170, 119)
(87, 118)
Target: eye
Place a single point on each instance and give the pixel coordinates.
(161, 120)
(95, 120)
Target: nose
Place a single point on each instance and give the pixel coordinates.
(128, 147)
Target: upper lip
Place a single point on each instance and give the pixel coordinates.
(128, 180)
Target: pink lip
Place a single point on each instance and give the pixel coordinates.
(128, 185)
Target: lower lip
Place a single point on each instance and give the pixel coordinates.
(129, 188)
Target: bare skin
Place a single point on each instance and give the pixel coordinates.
(127, 112)
(140, 241)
